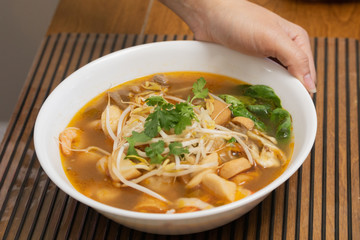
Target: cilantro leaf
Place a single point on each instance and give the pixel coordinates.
(198, 89)
(154, 152)
(131, 151)
(136, 137)
(168, 118)
(155, 100)
(152, 123)
(185, 116)
(176, 148)
(183, 122)
(185, 109)
(231, 140)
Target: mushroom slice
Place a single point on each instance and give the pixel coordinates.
(221, 113)
(244, 121)
(161, 79)
(234, 167)
(271, 139)
(271, 157)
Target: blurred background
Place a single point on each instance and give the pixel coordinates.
(23, 25)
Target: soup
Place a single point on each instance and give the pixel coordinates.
(177, 142)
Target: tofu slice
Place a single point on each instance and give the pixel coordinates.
(219, 186)
(211, 158)
(150, 205)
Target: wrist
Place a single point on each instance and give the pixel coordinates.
(195, 13)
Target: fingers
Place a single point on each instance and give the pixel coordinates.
(294, 51)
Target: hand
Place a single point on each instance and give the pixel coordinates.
(251, 29)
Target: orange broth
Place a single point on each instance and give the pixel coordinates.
(81, 170)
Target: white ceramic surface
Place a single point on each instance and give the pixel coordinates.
(134, 62)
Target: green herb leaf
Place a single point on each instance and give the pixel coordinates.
(264, 93)
(238, 109)
(278, 115)
(152, 124)
(185, 116)
(243, 112)
(282, 120)
(176, 148)
(131, 151)
(136, 137)
(262, 111)
(283, 132)
(154, 152)
(155, 100)
(231, 140)
(235, 102)
(199, 90)
(183, 122)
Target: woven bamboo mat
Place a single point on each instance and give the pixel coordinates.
(321, 200)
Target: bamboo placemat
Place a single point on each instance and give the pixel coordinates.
(321, 200)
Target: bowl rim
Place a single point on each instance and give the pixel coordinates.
(71, 191)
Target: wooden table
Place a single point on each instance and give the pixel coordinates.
(321, 200)
(321, 18)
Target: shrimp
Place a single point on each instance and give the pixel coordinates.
(66, 139)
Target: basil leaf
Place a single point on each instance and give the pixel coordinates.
(282, 121)
(265, 94)
(262, 111)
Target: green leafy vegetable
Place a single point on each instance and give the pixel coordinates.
(167, 116)
(238, 109)
(278, 115)
(247, 100)
(162, 117)
(185, 114)
(136, 138)
(231, 140)
(264, 93)
(155, 100)
(262, 111)
(282, 121)
(243, 112)
(176, 148)
(154, 152)
(241, 89)
(199, 90)
(235, 102)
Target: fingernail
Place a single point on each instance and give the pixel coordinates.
(309, 83)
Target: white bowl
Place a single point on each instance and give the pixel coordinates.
(97, 76)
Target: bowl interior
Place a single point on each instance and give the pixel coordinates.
(131, 63)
